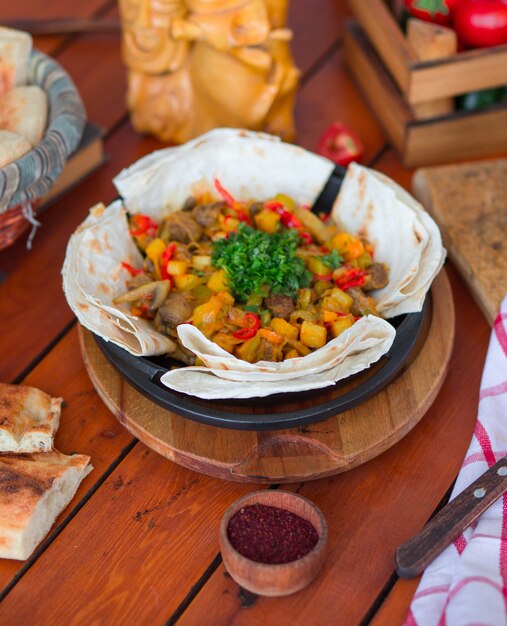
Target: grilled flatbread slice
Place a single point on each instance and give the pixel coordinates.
(28, 419)
(12, 146)
(24, 110)
(15, 49)
(34, 489)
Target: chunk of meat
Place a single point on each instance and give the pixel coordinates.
(280, 306)
(207, 214)
(377, 277)
(363, 304)
(180, 227)
(175, 310)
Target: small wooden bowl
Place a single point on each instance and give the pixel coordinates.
(285, 578)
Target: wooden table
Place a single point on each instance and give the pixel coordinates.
(139, 542)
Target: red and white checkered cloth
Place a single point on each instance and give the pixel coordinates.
(467, 584)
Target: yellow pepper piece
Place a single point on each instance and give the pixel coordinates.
(218, 281)
(177, 268)
(268, 221)
(185, 282)
(154, 251)
(271, 336)
(288, 202)
(348, 246)
(313, 335)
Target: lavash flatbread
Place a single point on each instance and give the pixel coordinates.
(24, 110)
(12, 146)
(15, 48)
(34, 489)
(253, 166)
(29, 419)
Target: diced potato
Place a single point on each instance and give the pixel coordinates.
(283, 328)
(348, 246)
(201, 261)
(267, 220)
(218, 281)
(186, 282)
(292, 354)
(176, 268)
(340, 324)
(301, 349)
(342, 298)
(316, 266)
(313, 335)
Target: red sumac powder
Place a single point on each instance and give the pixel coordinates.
(269, 534)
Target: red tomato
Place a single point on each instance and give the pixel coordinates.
(481, 23)
(437, 11)
(340, 144)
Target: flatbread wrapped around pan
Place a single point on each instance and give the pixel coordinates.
(29, 419)
(252, 166)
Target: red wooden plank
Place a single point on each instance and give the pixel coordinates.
(132, 553)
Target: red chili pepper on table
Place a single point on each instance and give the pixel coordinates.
(143, 225)
(340, 144)
(481, 23)
(252, 323)
(351, 278)
(436, 11)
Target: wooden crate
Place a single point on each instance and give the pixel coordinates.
(423, 81)
(456, 136)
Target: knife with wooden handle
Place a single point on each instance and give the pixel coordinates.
(414, 555)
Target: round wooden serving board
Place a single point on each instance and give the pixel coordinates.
(281, 456)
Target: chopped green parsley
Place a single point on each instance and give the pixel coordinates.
(258, 263)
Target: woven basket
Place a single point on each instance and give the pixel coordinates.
(25, 181)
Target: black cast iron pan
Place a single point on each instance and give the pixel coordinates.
(281, 410)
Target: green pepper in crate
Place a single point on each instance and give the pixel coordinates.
(480, 99)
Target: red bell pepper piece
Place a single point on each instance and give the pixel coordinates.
(133, 271)
(231, 202)
(340, 144)
(143, 225)
(351, 278)
(251, 324)
(286, 217)
(167, 255)
(481, 23)
(306, 237)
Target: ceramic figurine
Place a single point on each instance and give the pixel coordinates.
(194, 65)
